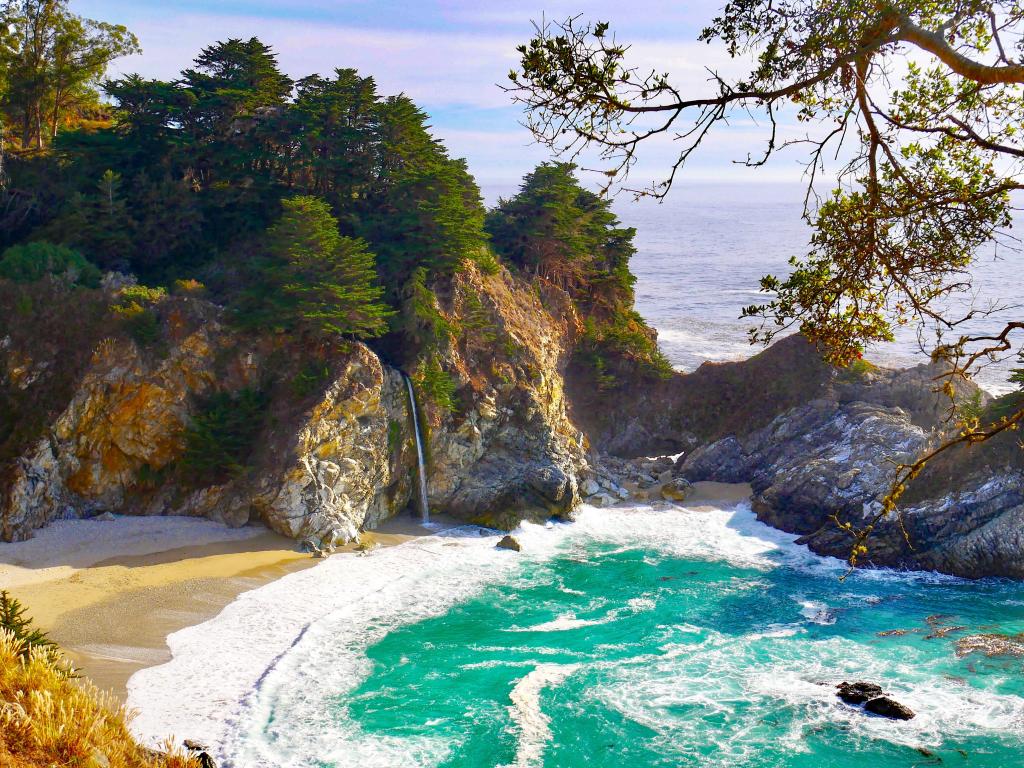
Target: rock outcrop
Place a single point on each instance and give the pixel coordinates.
(509, 450)
(834, 458)
(328, 463)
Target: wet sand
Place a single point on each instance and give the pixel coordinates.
(711, 494)
(112, 616)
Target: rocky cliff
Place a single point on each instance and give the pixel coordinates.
(333, 452)
(825, 450)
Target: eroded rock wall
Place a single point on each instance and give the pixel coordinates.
(326, 465)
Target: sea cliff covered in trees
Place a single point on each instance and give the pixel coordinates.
(212, 296)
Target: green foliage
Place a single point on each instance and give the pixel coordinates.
(624, 344)
(421, 320)
(1017, 374)
(436, 384)
(314, 279)
(972, 410)
(222, 435)
(135, 307)
(568, 235)
(53, 61)
(478, 323)
(15, 620)
(925, 163)
(33, 261)
(311, 378)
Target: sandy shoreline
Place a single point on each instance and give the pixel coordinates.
(109, 593)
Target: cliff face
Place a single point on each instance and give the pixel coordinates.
(834, 458)
(326, 463)
(509, 449)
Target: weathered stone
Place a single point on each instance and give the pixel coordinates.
(992, 645)
(886, 707)
(676, 490)
(509, 542)
(344, 464)
(859, 692)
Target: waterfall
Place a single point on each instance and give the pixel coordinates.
(422, 470)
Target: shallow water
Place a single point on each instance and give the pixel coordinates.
(640, 637)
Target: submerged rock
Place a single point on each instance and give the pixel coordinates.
(991, 645)
(509, 542)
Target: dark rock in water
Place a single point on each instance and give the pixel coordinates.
(858, 693)
(510, 542)
(890, 708)
(200, 753)
(871, 696)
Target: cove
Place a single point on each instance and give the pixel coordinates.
(640, 636)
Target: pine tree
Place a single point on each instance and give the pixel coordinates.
(316, 280)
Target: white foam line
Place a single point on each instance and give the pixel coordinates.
(219, 668)
(533, 725)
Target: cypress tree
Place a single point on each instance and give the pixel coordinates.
(316, 280)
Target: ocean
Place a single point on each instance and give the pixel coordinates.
(636, 636)
(701, 253)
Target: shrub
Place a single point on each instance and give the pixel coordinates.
(437, 384)
(188, 287)
(478, 324)
(311, 378)
(421, 318)
(30, 262)
(221, 437)
(135, 306)
(48, 720)
(29, 639)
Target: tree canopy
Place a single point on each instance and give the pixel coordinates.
(314, 279)
(53, 62)
(918, 103)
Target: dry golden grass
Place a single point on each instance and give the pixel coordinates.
(47, 720)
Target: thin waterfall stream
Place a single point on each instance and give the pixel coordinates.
(421, 466)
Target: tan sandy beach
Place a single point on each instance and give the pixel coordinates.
(109, 593)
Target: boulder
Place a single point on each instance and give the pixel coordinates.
(510, 542)
(676, 490)
(859, 692)
(872, 697)
(886, 707)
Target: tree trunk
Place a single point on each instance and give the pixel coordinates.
(39, 126)
(56, 115)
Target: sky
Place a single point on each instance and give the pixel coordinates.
(450, 56)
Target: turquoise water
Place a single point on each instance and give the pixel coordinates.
(670, 661)
(634, 638)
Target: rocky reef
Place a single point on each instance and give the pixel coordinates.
(826, 451)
